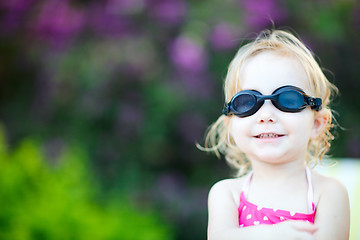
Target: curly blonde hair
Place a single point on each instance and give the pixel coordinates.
(218, 138)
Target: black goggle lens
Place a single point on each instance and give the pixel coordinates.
(291, 99)
(286, 99)
(244, 103)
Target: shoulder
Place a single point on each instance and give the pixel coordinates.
(332, 207)
(223, 202)
(229, 189)
(228, 184)
(325, 187)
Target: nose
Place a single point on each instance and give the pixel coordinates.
(266, 113)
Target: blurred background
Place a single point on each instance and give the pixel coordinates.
(102, 102)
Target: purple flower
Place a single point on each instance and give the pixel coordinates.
(224, 36)
(108, 21)
(58, 22)
(167, 12)
(259, 13)
(199, 85)
(124, 6)
(13, 14)
(10, 22)
(187, 55)
(16, 5)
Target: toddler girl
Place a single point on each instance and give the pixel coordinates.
(275, 123)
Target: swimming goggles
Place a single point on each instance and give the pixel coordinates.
(286, 98)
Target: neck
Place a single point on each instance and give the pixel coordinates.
(278, 172)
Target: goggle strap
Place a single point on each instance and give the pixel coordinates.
(315, 103)
(226, 110)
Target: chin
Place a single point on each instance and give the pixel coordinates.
(272, 158)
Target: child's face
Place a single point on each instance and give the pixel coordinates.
(271, 135)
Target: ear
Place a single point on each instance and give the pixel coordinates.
(320, 120)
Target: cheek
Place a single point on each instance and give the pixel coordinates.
(237, 126)
(239, 130)
(302, 124)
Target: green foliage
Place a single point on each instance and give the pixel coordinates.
(58, 201)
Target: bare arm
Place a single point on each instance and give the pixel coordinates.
(223, 220)
(333, 212)
(222, 211)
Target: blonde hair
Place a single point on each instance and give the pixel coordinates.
(219, 139)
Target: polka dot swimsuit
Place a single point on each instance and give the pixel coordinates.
(251, 214)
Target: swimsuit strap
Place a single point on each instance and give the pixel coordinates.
(310, 194)
(247, 184)
(310, 190)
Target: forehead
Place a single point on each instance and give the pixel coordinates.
(270, 70)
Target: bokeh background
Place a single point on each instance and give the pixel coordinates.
(102, 102)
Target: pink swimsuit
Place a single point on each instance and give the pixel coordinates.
(251, 214)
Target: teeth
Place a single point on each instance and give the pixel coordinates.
(268, 135)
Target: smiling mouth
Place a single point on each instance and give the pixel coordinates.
(268, 135)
